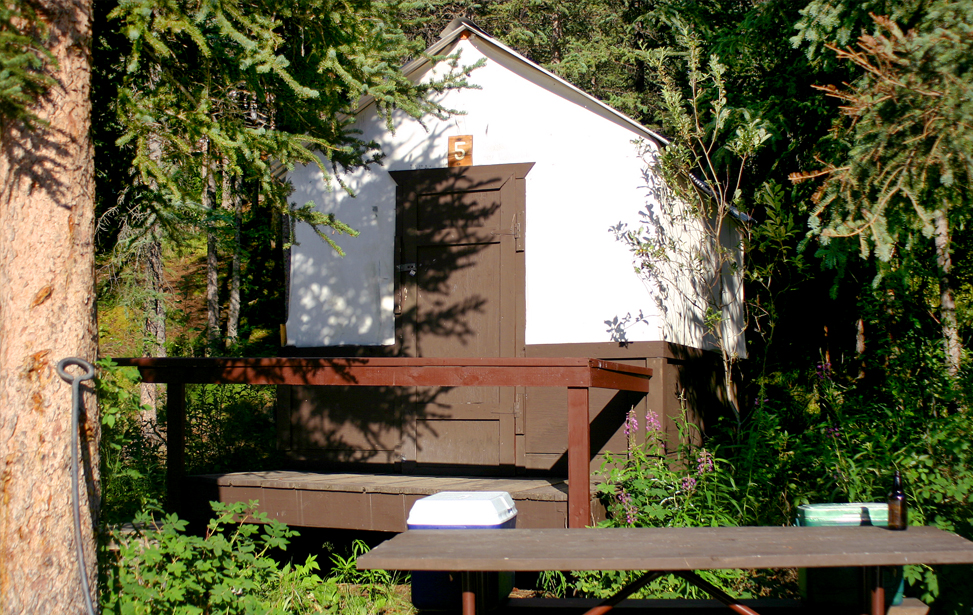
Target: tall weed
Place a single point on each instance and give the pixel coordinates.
(646, 486)
(822, 436)
(132, 464)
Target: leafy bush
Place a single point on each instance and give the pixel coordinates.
(825, 436)
(648, 487)
(132, 467)
(158, 568)
(154, 566)
(231, 428)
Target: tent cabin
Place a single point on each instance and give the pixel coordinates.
(487, 234)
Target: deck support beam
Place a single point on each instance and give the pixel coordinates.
(579, 458)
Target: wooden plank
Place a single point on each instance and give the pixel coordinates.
(396, 371)
(579, 472)
(534, 488)
(667, 549)
(350, 500)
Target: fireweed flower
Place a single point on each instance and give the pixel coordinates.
(631, 423)
(652, 424)
(704, 462)
(688, 483)
(626, 501)
(824, 371)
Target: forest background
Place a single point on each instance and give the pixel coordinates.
(858, 292)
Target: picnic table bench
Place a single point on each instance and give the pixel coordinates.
(663, 551)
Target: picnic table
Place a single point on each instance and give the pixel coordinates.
(664, 551)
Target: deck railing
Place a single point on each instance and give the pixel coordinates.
(578, 375)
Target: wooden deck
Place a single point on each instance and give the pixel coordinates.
(379, 502)
(578, 375)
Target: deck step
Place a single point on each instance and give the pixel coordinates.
(377, 502)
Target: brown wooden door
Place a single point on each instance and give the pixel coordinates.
(460, 236)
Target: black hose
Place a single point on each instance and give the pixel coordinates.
(75, 381)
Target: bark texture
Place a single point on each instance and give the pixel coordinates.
(947, 304)
(152, 395)
(212, 264)
(47, 313)
(232, 203)
(155, 329)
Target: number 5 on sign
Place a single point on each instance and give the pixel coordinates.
(461, 151)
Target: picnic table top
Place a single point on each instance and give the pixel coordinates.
(666, 549)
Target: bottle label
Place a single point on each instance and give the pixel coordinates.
(897, 516)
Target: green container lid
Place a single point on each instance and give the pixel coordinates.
(854, 513)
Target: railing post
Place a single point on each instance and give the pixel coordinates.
(579, 458)
(175, 445)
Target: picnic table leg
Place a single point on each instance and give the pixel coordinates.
(579, 459)
(715, 591)
(625, 592)
(468, 584)
(875, 589)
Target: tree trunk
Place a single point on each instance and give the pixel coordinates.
(47, 313)
(155, 329)
(947, 305)
(556, 36)
(232, 202)
(212, 264)
(151, 395)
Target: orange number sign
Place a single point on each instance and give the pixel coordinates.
(460, 151)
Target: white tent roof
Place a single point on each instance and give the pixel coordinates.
(459, 28)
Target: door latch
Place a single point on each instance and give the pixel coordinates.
(410, 267)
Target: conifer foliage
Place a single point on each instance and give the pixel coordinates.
(23, 75)
(908, 136)
(252, 83)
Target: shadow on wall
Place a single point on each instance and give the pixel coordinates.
(700, 390)
(677, 256)
(340, 299)
(682, 260)
(447, 224)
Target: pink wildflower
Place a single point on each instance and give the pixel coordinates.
(631, 423)
(626, 501)
(652, 424)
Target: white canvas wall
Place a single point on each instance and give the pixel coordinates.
(587, 177)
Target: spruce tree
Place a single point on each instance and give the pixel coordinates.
(904, 179)
(248, 89)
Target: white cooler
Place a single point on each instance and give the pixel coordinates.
(460, 510)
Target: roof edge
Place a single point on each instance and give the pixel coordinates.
(462, 26)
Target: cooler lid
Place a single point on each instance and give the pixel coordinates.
(854, 513)
(448, 508)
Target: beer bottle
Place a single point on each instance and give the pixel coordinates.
(898, 509)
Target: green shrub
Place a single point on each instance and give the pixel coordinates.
(648, 487)
(132, 465)
(822, 436)
(231, 427)
(154, 566)
(158, 568)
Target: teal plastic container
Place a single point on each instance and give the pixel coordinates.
(840, 586)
